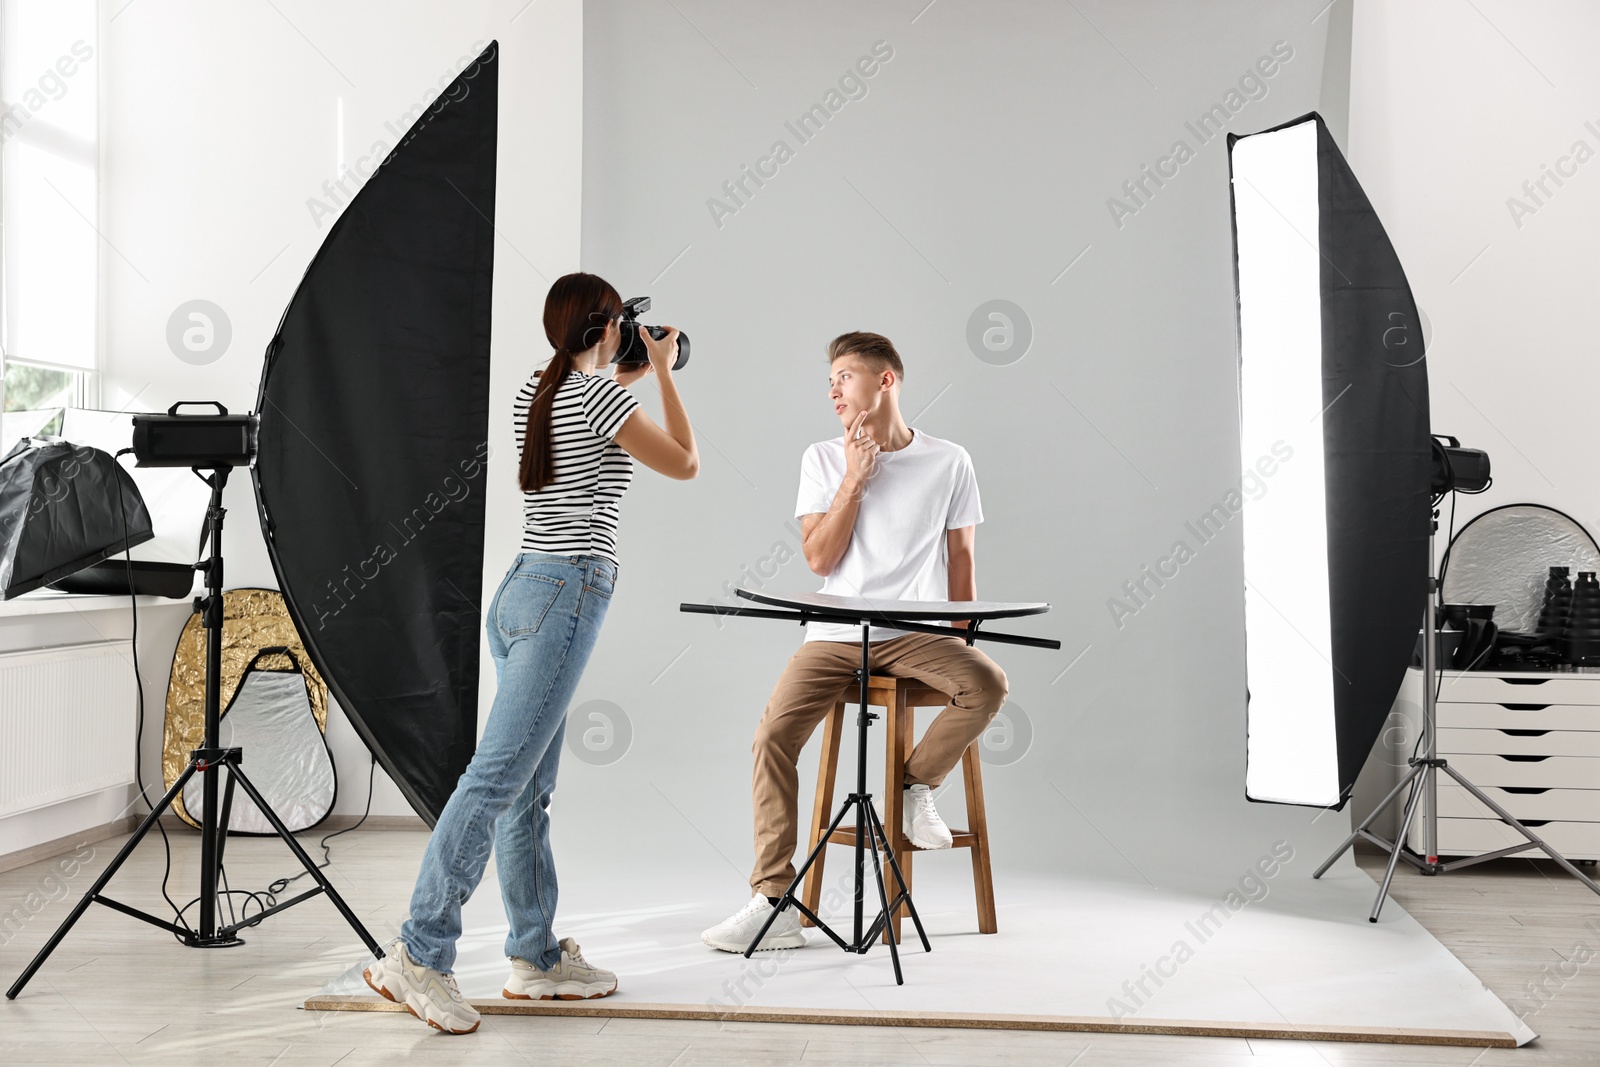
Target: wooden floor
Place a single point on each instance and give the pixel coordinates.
(117, 991)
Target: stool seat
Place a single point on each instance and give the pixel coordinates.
(900, 697)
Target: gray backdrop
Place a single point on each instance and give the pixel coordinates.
(977, 166)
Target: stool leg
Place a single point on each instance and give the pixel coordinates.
(896, 743)
(822, 808)
(982, 875)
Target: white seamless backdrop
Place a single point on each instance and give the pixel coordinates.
(983, 161)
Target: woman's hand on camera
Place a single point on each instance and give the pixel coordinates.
(663, 353)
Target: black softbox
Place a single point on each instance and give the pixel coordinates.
(63, 507)
(374, 409)
(1334, 437)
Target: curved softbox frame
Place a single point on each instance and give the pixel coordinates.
(374, 411)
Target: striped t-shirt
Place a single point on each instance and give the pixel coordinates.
(577, 513)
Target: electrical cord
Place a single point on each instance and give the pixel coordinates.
(264, 898)
(268, 897)
(138, 730)
(327, 855)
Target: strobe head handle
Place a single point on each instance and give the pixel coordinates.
(212, 441)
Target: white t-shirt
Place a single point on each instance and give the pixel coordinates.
(898, 549)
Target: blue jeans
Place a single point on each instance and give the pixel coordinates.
(542, 627)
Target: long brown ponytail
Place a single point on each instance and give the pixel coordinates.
(576, 313)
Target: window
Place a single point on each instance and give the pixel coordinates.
(49, 212)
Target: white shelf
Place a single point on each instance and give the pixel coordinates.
(41, 602)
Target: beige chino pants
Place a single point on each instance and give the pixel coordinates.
(813, 682)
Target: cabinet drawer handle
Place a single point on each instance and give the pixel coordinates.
(1525, 707)
(1529, 790)
(1523, 759)
(1526, 733)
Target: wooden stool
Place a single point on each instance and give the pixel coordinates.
(899, 697)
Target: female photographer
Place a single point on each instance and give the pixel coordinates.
(578, 430)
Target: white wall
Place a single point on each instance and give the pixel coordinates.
(1453, 108)
(220, 122)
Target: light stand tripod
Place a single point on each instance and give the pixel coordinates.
(207, 760)
(870, 835)
(1424, 782)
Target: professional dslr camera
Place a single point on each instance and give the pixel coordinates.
(631, 350)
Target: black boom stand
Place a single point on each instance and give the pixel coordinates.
(207, 760)
(870, 835)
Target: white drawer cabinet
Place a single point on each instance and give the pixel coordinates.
(1530, 741)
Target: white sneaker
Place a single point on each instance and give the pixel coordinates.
(920, 822)
(735, 933)
(574, 978)
(430, 995)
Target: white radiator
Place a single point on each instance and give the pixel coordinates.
(66, 723)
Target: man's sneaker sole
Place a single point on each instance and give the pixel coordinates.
(935, 847)
(561, 994)
(771, 943)
(386, 995)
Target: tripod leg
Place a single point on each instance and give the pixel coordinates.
(883, 898)
(863, 720)
(305, 861)
(224, 817)
(1507, 818)
(100, 883)
(1417, 789)
(827, 771)
(905, 887)
(788, 896)
(224, 820)
(1368, 821)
